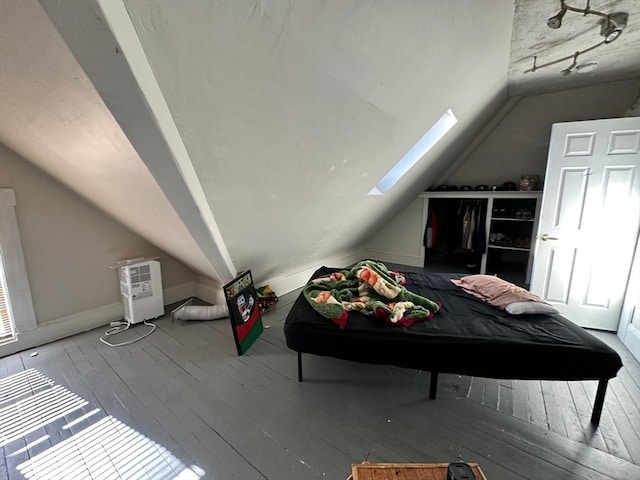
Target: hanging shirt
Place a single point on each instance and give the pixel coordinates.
(472, 227)
(466, 226)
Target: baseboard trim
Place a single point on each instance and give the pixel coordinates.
(68, 325)
(288, 282)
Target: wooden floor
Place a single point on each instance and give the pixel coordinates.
(181, 404)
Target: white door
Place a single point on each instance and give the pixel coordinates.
(589, 220)
(629, 331)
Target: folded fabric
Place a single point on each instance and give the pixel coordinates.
(496, 291)
(371, 289)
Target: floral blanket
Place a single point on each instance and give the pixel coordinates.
(372, 289)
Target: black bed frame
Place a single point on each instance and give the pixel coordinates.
(540, 346)
(596, 414)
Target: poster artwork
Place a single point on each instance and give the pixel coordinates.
(244, 313)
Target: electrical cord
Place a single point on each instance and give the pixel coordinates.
(119, 327)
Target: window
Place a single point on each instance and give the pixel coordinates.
(16, 306)
(7, 330)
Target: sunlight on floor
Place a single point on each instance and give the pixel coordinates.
(105, 449)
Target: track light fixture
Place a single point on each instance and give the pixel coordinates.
(567, 71)
(610, 31)
(574, 64)
(556, 21)
(611, 28)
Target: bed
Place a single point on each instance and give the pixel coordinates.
(466, 336)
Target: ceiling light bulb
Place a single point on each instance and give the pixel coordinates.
(611, 30)
(556, 21)
(612, 35)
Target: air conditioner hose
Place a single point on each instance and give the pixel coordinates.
(202, 312)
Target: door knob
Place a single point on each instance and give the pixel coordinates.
(546, 237)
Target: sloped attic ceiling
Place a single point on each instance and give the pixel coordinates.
(265, 123)
(290, 112)
(52, 115)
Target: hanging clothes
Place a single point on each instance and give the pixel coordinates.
(455, 226)
(466, 225)
(472, 227)
(479, 241)
(431, 230)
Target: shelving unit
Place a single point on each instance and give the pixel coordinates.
(511, 235)
(511, 222)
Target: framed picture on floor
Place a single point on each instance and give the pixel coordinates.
(244, 313)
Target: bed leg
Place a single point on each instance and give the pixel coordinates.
(300, 366)
(433, 385)
(599, 403)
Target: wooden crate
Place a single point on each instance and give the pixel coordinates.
(406, 471)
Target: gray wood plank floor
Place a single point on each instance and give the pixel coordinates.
(181, 404)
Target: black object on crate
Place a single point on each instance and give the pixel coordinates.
(460, 471)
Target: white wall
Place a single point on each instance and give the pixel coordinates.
(517, 145)
(401, 239)
(68, 245)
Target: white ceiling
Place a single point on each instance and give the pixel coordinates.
(253, 130)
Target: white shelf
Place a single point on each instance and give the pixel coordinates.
(511, 226)
(508, 219)
(462, 194)
(501, 247)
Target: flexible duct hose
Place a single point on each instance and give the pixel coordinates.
(201, 312)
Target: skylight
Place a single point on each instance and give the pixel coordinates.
(419, 150)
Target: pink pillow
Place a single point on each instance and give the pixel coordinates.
(494, 290)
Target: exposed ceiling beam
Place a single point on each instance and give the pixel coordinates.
(103, 40)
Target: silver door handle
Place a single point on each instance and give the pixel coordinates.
(546, 237)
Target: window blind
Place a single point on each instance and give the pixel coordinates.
(7, 331)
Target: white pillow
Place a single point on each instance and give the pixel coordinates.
(520, 308)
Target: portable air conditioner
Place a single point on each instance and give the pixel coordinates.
(141, 289)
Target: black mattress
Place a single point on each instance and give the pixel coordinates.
(467, 336)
